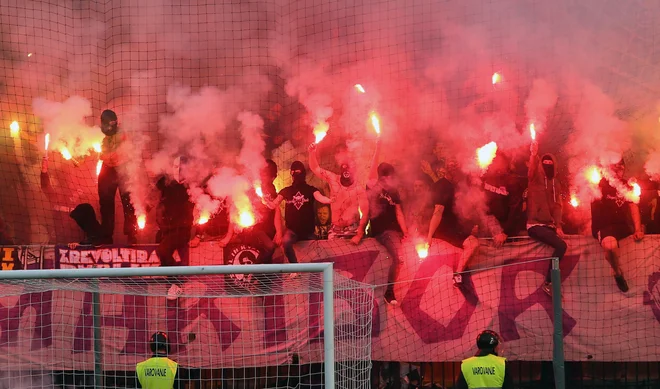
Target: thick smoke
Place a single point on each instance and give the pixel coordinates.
(427, 70)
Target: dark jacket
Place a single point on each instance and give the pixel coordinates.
(85, 217)
(175, 210)
(544, 205)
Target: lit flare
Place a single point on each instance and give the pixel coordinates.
(66, 154)
(46, 141)
(320, 131)
(259, 191)
(14, 128)
(99, 165)
(360, 88)
(245, 218)
(637, 190)
(496, 78)
(486, 154)
(375, 122)
(574, 201)
(422, 250)
(593, 175)
(532, 131)
(97, 147)
(204, 217)
(142, 221)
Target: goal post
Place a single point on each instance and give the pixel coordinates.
(296, 325)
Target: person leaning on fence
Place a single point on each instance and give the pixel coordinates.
(486, 370)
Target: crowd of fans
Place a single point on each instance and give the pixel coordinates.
(521, 198)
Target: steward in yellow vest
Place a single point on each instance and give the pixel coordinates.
(486, 370)
(158, 372)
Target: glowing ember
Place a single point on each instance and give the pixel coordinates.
(360, 88)
(360, 212)
(97, 147)
(320, 131)
(259, 192)
(245, 219)
(99, 165)
(532, 131)
(375, 122)
(422, 250)
(486, 154)
(593, 174)
(29, 54)
(14, 128)
(574, 201)
(142, 221)
(496, 78)
(46, 141)
(204, 217)
(66, 154)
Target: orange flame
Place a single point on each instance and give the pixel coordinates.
(574, 201)
(637, 190)
(142, 221)
(259, 192)
(204, 217)
(360, 88)
(375, 122)
(593, 175)
(46, 141)
(320, 131)
(14, 128)
(99, 165)
(532, 131)
(422, 250)
(486, 154)
(246, 218)
(66, 154)
(496, 78)
(97, 147)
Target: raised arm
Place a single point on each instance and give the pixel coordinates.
(435, 221)
(314, 164)
(273, 204)
(533, 160)
(321, 198)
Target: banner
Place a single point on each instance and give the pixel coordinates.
(105, 257)
(20, 257)
(434, 321)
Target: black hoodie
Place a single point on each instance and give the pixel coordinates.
(85, 217)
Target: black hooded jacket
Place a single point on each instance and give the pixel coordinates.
(85, 217)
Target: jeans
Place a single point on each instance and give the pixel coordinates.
(107, 188)
(548, 235)
(288, 240)
(391, 240)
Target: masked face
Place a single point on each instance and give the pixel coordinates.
(346, 178)
(109, 127)
(549, 167)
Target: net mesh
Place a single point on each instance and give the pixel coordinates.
(254, 330)
(461, 73)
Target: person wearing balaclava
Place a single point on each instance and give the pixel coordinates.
(299, 210)
(109, 180)
(544, 207)
(611, 218)
(175, 220)
(382, 211)
(344, 192)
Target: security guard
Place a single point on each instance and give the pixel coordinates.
(158, 372)
(486, 370)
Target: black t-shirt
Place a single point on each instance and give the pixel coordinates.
(382, 209)
(265, 215)
(611, 211)
(175, 208)
(299, 209)
(443, 194)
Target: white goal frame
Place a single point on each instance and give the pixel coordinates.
(323, 267)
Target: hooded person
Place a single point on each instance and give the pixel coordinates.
(345, 194)
(614, 218)
(544, 207)
(299, 209)
(85, 217)
(109, 180)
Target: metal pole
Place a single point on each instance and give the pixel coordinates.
(98, 345)
(329, 326)
(558, 336)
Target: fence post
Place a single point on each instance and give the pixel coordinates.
(98, 345)
(558, 333)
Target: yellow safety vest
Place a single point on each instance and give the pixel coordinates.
(157, 373)
(484, 372)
